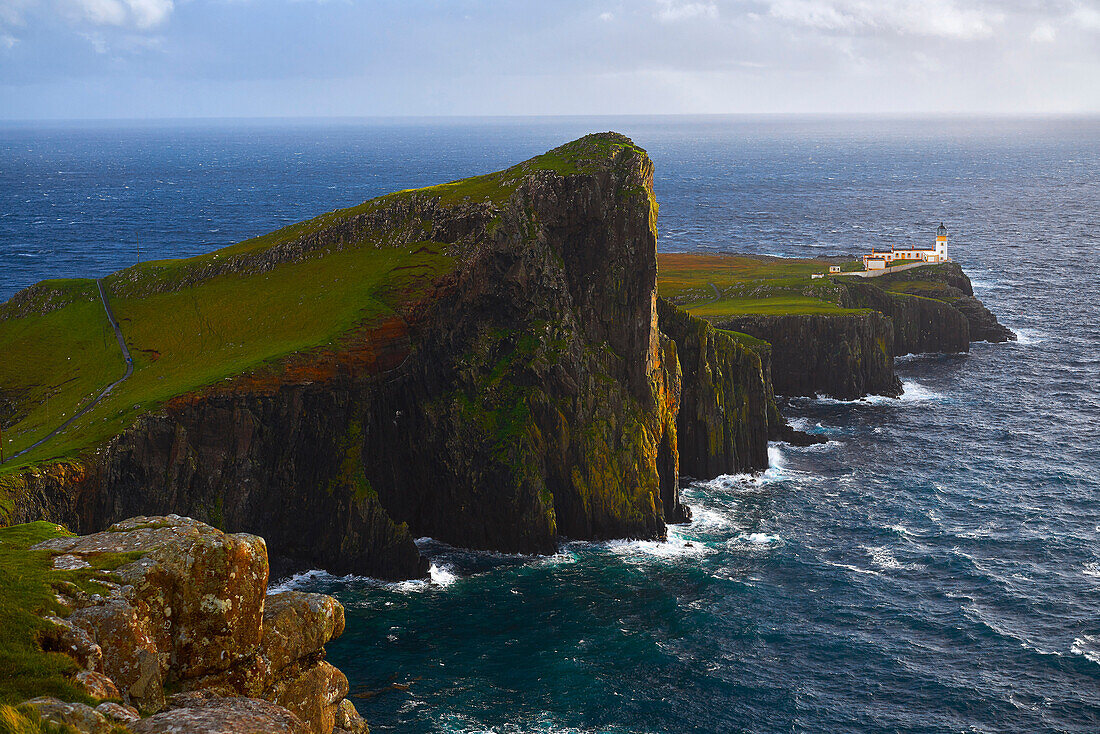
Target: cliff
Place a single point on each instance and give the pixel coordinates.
(921, 324)
(497, 380)
(169, 618)
(725, 403)
(845, 356)
(948, 284)
(832, 336)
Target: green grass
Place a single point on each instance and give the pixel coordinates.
(185, 339)
(745, 339)
(194, 323)
(28, 580)
(769, 305)
(925, 288)
(30, 583)
(53, 364)
(748, 285)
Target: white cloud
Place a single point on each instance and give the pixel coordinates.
(1043, 33)
(606, 17)
(671, 10)
(139, 14)
(1086, 17)
(904, 17)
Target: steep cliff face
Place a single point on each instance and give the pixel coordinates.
(948, 284)
(527, 395)
(726, 407)
(921, 324)
(846, 356)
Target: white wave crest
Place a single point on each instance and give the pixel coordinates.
(438, 576)
(759, 538)
(310, 578)
(883, 558)
(1087, 645)
(913, 392)
(676, 546)
(1028, 337)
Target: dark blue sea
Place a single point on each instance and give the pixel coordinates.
(935, 567)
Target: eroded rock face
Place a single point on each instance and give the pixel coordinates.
(188, 608)
(723, 423)
(845, 356)
(296, 625)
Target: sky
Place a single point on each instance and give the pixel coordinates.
(77, 59)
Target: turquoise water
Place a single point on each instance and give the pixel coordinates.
(934, 567)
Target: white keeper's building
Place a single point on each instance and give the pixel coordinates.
(938, 254)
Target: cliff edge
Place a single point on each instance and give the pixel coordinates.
(479, 362)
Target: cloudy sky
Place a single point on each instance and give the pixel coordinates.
(258, 58)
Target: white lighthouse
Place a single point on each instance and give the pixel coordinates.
(941, 243)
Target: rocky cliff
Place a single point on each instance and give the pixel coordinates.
(947, 283)
(850, 355)
(846, 356)
(526, 394)
(184, 632)
(726, 405)
(921, 325)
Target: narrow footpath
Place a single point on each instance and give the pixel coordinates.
(106, 391)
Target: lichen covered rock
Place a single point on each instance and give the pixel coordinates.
(186, 607)
(190, 603)
(223, 716)
(296, 625)
(78, 716)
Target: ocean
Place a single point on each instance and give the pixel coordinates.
(934, 567)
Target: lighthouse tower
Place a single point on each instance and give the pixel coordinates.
(941, 243)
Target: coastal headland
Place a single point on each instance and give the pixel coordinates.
(497, 363)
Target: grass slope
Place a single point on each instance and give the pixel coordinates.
(713, 286)
(194, 322)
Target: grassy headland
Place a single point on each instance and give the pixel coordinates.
(247, 308)
(714, 286)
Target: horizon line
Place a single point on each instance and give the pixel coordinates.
(564, 116)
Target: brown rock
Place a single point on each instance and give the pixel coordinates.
(84, 719)
(134, 654)
(348, 719)
(314, 695)
(63, 636)
(192, 604)
(297, 624)
(223, 716)
(119, 713)
(97, 685)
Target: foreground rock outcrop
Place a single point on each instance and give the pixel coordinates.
(186, 631)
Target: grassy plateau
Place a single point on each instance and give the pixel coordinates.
(715, 286)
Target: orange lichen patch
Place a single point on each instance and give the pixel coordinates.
(372, 349)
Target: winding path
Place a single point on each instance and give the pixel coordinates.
(106, 391)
